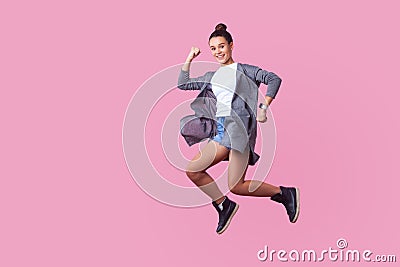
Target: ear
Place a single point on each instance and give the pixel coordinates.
(231, 45)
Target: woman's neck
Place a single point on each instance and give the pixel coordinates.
(230, 61)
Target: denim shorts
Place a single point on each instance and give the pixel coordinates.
(220, 130)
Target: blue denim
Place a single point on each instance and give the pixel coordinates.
(220, 130)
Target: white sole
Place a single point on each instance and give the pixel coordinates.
(297, 205)
(229, 220)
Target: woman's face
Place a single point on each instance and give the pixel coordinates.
(221, 50)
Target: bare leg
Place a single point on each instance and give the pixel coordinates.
(288, 196)
(210, 155)
(238, 163)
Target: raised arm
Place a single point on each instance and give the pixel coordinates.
(184, 80)
(194, 52)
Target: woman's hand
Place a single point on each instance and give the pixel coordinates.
(262, 112)
(261, 115)
(194, 52)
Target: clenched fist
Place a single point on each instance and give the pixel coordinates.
(194, 52)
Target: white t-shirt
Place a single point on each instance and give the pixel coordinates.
(223, 85)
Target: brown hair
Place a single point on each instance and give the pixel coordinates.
(220, 30)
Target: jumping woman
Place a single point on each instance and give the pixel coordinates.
(235, 87)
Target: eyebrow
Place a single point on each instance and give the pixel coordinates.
(218, 44)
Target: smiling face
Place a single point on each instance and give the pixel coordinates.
(221, 50)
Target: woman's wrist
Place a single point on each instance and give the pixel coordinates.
(263, 106)
(188, 60)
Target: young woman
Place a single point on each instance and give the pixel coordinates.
(235, 86)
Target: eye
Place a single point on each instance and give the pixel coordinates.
(222, 47)
(212, 48)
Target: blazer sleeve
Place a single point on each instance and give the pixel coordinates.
(269, 78)
(187, 83)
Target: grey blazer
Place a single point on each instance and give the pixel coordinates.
(241, 125)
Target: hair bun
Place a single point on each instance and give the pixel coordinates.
(221, 27)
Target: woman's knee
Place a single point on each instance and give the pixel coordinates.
(236, 189)
(193, 175)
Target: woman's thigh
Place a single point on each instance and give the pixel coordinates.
(238, 163)
(210, 155)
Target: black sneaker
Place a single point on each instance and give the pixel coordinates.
(290, 198)
(225, 215)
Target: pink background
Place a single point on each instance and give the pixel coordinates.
(70, 68)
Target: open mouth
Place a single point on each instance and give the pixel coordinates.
(220, 57)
